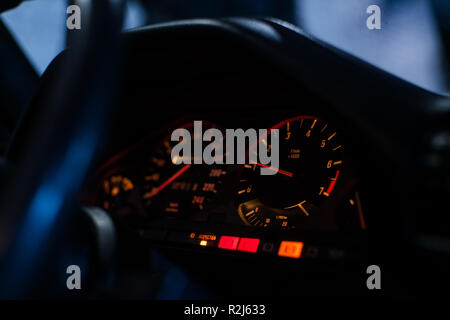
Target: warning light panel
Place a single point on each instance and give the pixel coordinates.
(248, 245)
(211, 237)
(228, 243)
(290, 249)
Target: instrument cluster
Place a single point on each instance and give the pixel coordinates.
(313, 187)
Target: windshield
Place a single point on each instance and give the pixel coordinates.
(409, 44)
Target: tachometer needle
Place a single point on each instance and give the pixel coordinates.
(157, 190)
(286, 173)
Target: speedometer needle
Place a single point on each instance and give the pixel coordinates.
(157, 190)
(286, 173)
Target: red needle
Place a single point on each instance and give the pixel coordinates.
(157, 190)
(332, 183)
(287, 173)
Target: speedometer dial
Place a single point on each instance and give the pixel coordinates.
(179, 190)
(311, 160)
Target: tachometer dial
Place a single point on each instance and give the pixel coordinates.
(311, 160)
(179, 190)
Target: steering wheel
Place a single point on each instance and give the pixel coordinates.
(55, 144)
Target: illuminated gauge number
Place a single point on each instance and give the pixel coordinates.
(178, 190)
(311, 160)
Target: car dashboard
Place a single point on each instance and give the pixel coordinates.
(223, 158)
(312, 208)
(327, 209)
(211, 207)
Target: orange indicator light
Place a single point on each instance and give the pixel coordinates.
(229, 243)
(203, 243)
(290, 249)
(248, 245)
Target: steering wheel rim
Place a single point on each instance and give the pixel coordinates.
(55, 144)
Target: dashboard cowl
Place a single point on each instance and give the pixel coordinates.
(387, 109)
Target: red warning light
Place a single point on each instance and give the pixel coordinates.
(248, 245)
(229, 243)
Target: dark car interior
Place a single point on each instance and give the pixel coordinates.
(87, 177)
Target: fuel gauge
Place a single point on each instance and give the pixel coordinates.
(119, 195)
